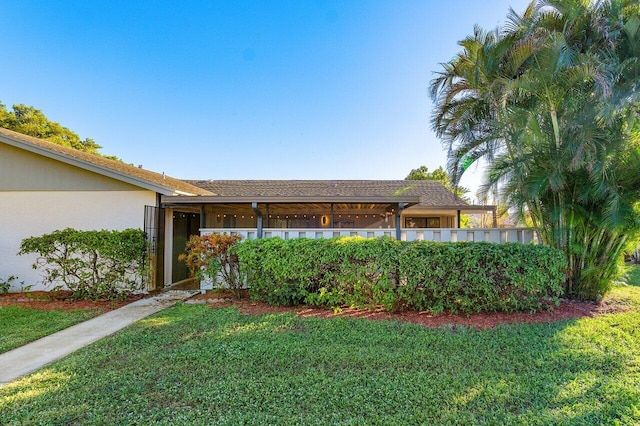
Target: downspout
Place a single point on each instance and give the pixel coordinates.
(254, 206)
(459, 219)
(399, 221)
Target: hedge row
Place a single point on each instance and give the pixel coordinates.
(420, 275)
(94, 265)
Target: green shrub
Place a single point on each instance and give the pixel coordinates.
(94, 265)
(210, 257)
(5, 285)
(476, 277)
(420, 275)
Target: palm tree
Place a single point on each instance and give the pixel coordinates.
(543, 101)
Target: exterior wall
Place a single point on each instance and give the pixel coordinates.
(31, 213)
(25, 171)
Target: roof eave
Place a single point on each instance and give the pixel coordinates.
(213, 199)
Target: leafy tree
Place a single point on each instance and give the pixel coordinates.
(30, 121)
(439, 174)
(551, 102)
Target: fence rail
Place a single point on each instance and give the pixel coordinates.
(494, 235)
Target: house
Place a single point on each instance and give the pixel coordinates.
(45, 187)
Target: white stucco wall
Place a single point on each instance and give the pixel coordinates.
(32, 213)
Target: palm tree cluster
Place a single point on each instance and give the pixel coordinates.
(551, 102)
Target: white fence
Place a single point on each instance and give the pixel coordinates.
(494, 235)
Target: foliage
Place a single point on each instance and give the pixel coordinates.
(94, 265)
(200, 366)
(23, 325)
(32, 122)
(210, 257)
(5, 285)
(439, 174)
(632, 275)
(419, 275)
(550, 101)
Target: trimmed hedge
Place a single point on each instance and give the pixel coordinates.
(94, 265)
(419, 275)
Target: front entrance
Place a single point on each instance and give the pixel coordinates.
(184, 225)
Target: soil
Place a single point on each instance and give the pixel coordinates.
(51, 300)
(568, 309)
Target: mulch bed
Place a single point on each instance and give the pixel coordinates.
(567, 309)
(51, 300)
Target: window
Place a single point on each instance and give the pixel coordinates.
(422, 222)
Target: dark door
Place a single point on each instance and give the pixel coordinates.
(184, 225)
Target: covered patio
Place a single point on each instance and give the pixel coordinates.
(405, 210)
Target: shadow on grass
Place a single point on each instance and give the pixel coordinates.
(216, 366)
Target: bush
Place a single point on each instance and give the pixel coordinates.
(420, 275)
(94, 265)
(5, 285)
(209, 257)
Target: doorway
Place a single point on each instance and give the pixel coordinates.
(184, 226)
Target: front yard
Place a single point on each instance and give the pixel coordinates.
(193, 364)
(28, 316)
(22, 325)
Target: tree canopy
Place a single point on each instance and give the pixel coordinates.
(551, 102)
(30, 121)
(439, 174)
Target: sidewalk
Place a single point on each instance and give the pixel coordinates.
(32, 356)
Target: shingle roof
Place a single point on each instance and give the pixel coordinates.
(432, 193)
(116, 168)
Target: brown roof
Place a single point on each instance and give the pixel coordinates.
(432, 193)
(114, 168)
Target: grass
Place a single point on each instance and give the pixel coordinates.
(24, 325)
(195, 365)
(632, 275)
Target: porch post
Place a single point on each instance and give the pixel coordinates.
(495, 217)
(399, 221)
(203, 217)
(331, 225)
(254, 206)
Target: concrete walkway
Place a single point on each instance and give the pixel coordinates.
(32, 356)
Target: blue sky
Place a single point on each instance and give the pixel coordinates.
(243, 90)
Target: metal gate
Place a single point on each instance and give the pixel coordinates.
(154, 231)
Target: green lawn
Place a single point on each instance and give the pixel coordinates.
(195, 365)
(23, 325)
(632, 275)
